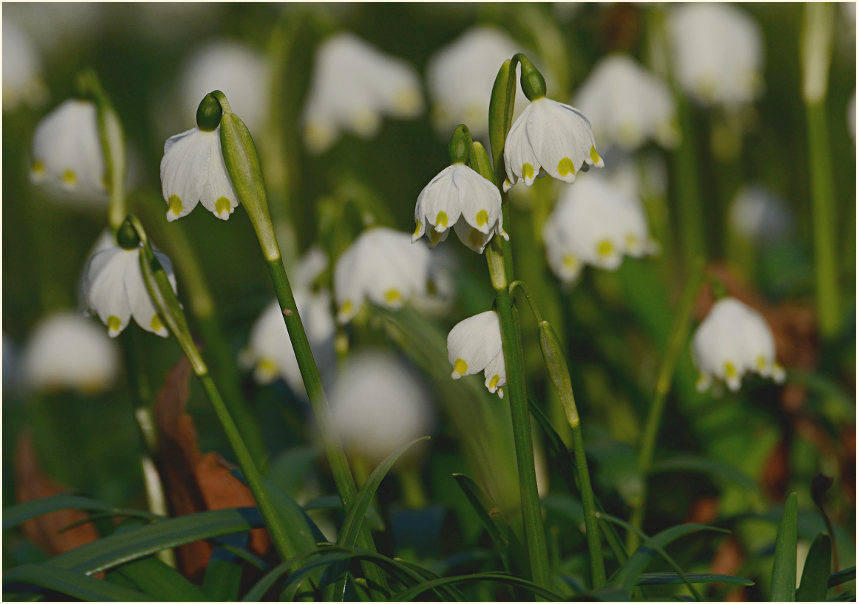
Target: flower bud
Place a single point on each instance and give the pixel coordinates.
(532, 82)
(459, 146)
(209, 113)
(558, 371)
(127, 237)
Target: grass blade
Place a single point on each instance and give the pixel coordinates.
(784, 567)
(161, 582)
(817, 568)
(675, 579)
(413, 592)
(72, 584)
(497, 527)
(844, 576)
(20, 513)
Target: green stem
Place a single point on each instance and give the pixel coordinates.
(678, 337)
(591, 514)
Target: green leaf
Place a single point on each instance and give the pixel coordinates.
(675, 579)
(72, 584)
(689, 463)
(497, 527)
(412, 592)
(840, 577)
(817, 568)
(158, 580)
(500, 115)
(222, 579)
(784, 567)
(136, 543)
(20, 513)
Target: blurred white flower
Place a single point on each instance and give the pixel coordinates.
(113, 288)
(757, 214)
(595, 223)
(461, 198)
(627, 105)
(237, 70)
(66, 350)
(67, 149)
(59, 27)
(379, 404)
(193, 171)
(383, 265)
(474, 345)
(270, 350)
(22, 69)
(551, 136)
(732, 340)
(642, 175)
(353, 86)
(461, 76)
(718, 53)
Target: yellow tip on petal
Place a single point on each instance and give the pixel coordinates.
(761, 363)
(460, 367)
(730, 370)
(38, 168)
(565, 167)
(494, 383)
(605, 248)
(346, 308)
(527, 172)
(475, 238)
(175, 203)
(392, 295)
(632, 241)
(594, 155)
(222, 206)
(113, 324)
(570, 261)
(482, 217)
(417, 229)
(441, 219)
(156, 324)
(69, 178)
(266, 369)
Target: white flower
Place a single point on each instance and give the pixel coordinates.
(114, 289)
(378, 404)
(237, 70)
(627, 105)
(759, 215)
(270, 350)
(474, 345)
(382, 265)
(67, 150)
(193, 171)
(353, 86)
(732, 340)
(22, 69)
(595, 223)
(65, 350)
(718, 53)
(461, 76)
(461, 198)
(552, 136)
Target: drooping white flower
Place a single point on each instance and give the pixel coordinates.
(113, 288)
(193, 171)
(595, 223)
(67, 150)
(757, 214)
(460, 198)
(474, 345)
(732, 340)
(22, 69)
(65, 350)
(383, 265)
(237, 70)
(379, 404)
(61, 26)
(717, 53)
(270, 350)
(461, 76)
(353, 85)
(627, 105)
(550, 136)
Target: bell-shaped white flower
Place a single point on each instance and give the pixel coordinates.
(237, 70)
(67, 351)
(113, 288)
(627, 105)
(550, 136)
(717, 53)
(193, 171)
(758, 215)
(461, 75)
(269, 349)
(595, 223)
(459, 197)
(732, 340)
(67, 149)
(379, 404)
(22, 69)
(474, 345)
(353, 86)
(382, 265)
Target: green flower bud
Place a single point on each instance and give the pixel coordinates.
(480, 161)
(209, 113)
(532, 82)
(127, 237)
(558, 371)
(459, 147)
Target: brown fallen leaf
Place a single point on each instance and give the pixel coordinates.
(728, 560)
(194, 482)
(704, 510)
(46, 530)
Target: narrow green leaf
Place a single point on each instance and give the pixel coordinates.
(843, 576)
(675, 579)
(20, 513)
(72, 584)
(222, 579)
(161, 582)
(689, 463)
(498, 124)
(496, 526)
(817, 568)
(413, 592)
(136, 543)
(784, 567)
